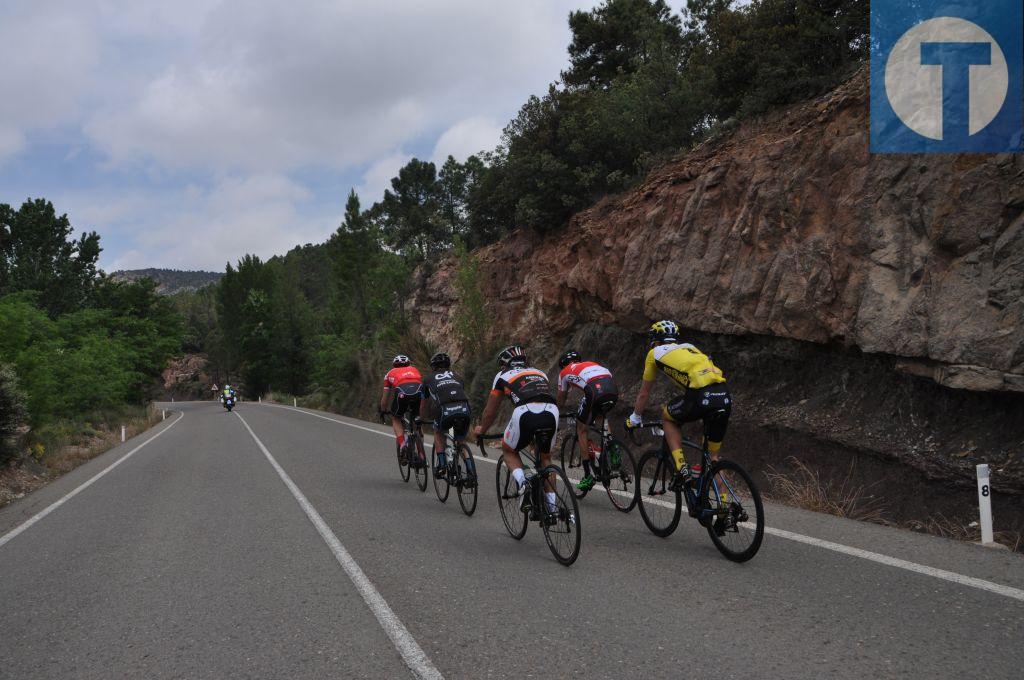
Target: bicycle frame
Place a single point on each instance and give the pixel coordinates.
(691, 494)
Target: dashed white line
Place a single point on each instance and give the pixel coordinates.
(80, 488)
(952, 577)
(412, 654)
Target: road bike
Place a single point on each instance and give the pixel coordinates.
(459, 471)
(560, 520)
(724, 499)
(411, 458)
(614, 468)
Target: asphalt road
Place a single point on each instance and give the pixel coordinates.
(195, 558)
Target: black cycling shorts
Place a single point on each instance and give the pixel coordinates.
(599, 397)
(712, 404)
(405, 399)
(454, 416)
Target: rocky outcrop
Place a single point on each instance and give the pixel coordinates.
(788, 227)
(868, 304)
(186, 377)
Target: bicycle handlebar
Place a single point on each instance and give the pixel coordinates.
(631, 432)
(484, 437)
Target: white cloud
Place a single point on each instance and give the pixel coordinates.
(333, 84)
(260, 214)
(378, 177)
(45, 62)
(467, 137)
(211, 109)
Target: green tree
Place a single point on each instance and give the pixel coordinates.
(409, 213)
(471, 318)
(36, 254)
(617, 38)
(291, 332)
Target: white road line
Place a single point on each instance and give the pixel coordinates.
(952, 577)
(412, 654)
(81, 487)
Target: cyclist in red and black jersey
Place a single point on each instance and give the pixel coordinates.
(534, 415)
(599, 397)
(402, 387)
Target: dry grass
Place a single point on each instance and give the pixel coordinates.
(947, 527)
(62, 446)
(804, 488)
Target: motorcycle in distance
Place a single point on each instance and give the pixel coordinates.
(228, 400)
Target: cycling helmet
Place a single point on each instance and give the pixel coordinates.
(513, 355)
(440, 361)
(400, 360)
(570, 357)
(663, 331)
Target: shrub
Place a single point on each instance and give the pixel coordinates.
(12, 412)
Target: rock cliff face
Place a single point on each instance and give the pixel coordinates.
(790, 228)
(869, 301)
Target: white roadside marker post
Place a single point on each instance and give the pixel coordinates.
(122, 433)
(164, 414)
(985, 504)
(260, 398)
(295, 402)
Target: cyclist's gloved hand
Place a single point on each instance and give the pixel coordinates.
(633, 421)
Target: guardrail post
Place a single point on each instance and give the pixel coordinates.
(985, 504)
(122, 433)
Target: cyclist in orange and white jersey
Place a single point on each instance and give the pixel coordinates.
(599, 397)
(402, 387)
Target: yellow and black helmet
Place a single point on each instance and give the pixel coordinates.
(663, 331)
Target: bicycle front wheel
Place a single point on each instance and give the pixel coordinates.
(419, 466)
(441, 484)
(560, 518)
(571, 459)
(508, 502)
(621, 475)
(466, 486)
(659, 506)
(736, 514)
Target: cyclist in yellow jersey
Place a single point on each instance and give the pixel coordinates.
(704, 394)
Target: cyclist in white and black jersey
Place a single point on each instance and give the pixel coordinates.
(534, 416)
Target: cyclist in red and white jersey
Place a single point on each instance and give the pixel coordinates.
(534, 414)
(599, 397)
(402, 387)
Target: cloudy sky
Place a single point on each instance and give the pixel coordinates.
(188, 133)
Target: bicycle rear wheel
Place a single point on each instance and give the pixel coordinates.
(441, 484)
(659, 506)
(560, 519)
(508, 502)
(736, 525)
(621, 470)
(403, 462)
(466, 486)
(420, 465)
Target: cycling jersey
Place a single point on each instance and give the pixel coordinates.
(444, 388)
(581, 373)
(684, 364)
(403, 375)
(523, 386)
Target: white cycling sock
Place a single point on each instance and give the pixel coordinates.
(552, 501)
(519, 476)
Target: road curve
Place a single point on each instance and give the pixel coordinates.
(195, 558)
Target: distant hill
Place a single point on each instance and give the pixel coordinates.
(170, 281)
